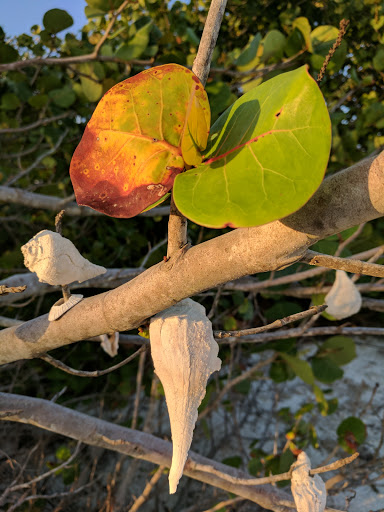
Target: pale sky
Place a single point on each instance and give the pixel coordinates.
(18, 16)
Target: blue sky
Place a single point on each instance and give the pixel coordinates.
(18, 16)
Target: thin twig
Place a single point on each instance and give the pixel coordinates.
(313, 332)
(272, 478)
(229, 385)
(41, 157)
(36, 124)
(97, 373)
(152, 250)
(343, 27)
(109, 28)
(353, 266)
(222, 504)
(147, 490)
(4, 290)
(255, 285)
(58, 225)
(350, 239)
(313, 310)
(48, 473)
(139, 381)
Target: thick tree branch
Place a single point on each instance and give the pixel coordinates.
(345, 199)
(96, 432)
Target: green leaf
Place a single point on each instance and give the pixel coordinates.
(326, 370)
(255, 466)
(229, 323)
(339, 349)
(57, 20)
(303, 25)
(273, 45)
(235, 461)
(136, 46)
(7, 53)
(261, 163)
(93, 12)
(63, 97)
(248, 57)
(92, 89)
(104, 5)
(279, 371)
(351, 432)
(38, 100)
(281, 309)
(300, 367)
(378, 59)
(9, 101)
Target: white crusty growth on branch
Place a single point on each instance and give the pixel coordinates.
(184, 354)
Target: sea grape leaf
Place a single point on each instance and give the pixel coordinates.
(273, 45)
(248, 58)
(142, 134)
(56, 20)
(136, 46)
(266, 156)
(300, 367)
(303, 25)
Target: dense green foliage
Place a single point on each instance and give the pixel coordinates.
(44, 108)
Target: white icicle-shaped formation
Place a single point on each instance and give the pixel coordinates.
(308, 491)
(56, 260)
(344, 298)
(184, 354)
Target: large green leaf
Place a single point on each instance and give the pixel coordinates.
(142, 133)
(266, 156)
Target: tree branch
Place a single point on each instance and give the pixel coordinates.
(177, 224)
(97, 373)
(314, 310)
(36, 124)
(354, 266)
(33, 200)
(345, 199)
(38, 159)
(96, 432)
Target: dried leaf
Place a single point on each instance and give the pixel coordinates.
(142, 133)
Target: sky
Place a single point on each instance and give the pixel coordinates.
(18, 16)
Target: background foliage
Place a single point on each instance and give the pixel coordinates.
(43, 112)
